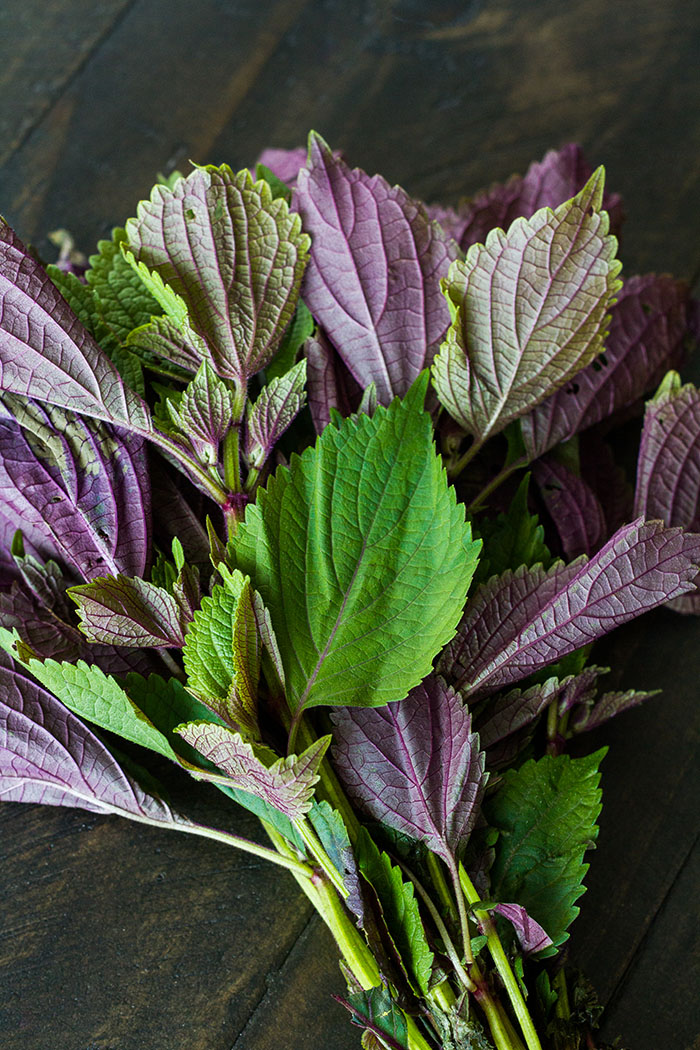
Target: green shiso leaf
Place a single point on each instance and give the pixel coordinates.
(363, 557)
(545, 813)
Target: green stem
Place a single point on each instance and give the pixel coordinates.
(214, 490)
(456, 469)
(463, 917)
(502, 964)
(495, 482)
(329, 788)
(448, 944)
(232, 460)
(297, 867)
(440, 882)
(561, 1007)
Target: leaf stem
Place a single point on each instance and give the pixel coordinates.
(462, 911)
(315, 848)
(464, 460)
(198, 473)
(452, 953)
(502, 964)
(298, 868)
(232, 462)
(495, 482)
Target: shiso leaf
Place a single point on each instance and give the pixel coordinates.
(206, 410)
(79, 488)
(276, 407)
(287, 784)
(545, 813)
(47, 354)
(519, 622)
(530, 310)
(531, 936)
(362, 556)
(399, 910)
(573, 507)
(514, 538)
(414, 765)
(233, 255)
(373, 276)
(648, 327)
(123, 610)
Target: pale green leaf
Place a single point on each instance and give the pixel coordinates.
(277, 406)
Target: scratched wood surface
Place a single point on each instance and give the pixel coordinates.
(117, 937)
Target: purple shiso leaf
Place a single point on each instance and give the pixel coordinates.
(48, 756)
(521, 621)
(233, 255)
(573, 507)
(607, 479)
(277, 406)
(668, 466)
(453, 221)
(128, 611)
(649, 324)
(47, 354)
(284, 163)
(79, 489)
(531, 936)
(373, 279)
(530, 310)
(287, 784)
(509, 713)
(560, 175)
(414, 765)
(592, 715)
(329, 384)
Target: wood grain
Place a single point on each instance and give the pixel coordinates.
(117, 937)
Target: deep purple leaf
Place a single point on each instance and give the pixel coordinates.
(530, 934)
(648, 328)
(521, 621)
(547, 183)
(607, 479)
(47, 354)
(78, 489)
(414, 765)
(592, 715)
(573, 507)
(374, 272)
(668, 466)
(509, 713)
(48, 756)
(329, 384)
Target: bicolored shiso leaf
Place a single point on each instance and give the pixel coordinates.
(205, 411)
(649, 324)
(233, 255)
(414, 765)
(287, 784)
(78, 489)
(521, 621)
(373, 276)
(47, 354)
(48, 756)
(275, 409)
(129, 611)
(559, 176)
(530, 309)
(573, 507)
(545, 813)
(363, 558)
(668, 465)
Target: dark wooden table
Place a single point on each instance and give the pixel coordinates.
(118, 937)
